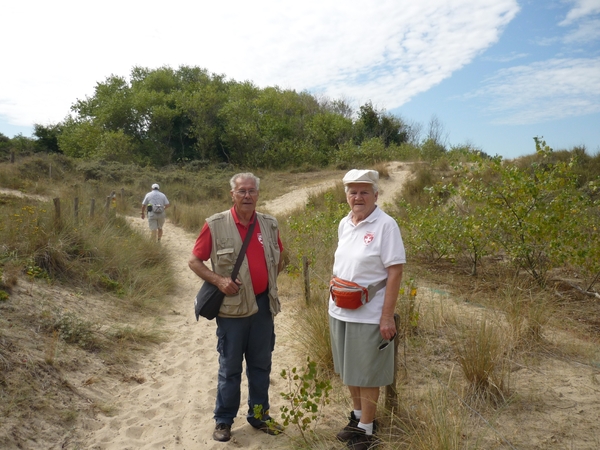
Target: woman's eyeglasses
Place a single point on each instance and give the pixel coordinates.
(383, 344)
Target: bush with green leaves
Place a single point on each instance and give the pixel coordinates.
(535, 216)
(531, 214)
(308, 393)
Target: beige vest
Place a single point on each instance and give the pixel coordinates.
(226, 245)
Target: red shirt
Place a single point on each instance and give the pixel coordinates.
(255, 252)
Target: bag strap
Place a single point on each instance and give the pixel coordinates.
(240, 258)
(373, 288)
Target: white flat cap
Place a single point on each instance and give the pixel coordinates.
(155, 186)
(361, 176)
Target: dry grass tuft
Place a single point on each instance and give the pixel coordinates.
(480, 349)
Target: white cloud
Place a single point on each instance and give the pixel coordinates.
(582, 8)
(386, 51)
(543, 91)
(506, 58)
(586, 32)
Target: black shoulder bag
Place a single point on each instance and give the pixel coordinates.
(209, 299)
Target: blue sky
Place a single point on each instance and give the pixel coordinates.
(492, 73)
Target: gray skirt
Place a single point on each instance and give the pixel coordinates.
(356, 356)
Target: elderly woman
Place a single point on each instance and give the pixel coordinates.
(370, 255)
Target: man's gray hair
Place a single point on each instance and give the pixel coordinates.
(244, 176)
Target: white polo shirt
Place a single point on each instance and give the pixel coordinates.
(363, 254)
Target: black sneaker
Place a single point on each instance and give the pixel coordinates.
(351, 429)
(362, 441)
(222, 432)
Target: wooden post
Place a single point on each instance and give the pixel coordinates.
(92, 207)
(123, 198)
(50, 171)
(306, 279)
(107, 204)
(12, 157)
(56, 210)
(391, 391)
(76, 208)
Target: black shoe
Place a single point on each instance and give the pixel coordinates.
(362, 441)
(351, 429)
(269, 426)
(222, 432)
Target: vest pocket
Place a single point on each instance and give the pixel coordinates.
(225, 259)
(231, 305)
(236, 306)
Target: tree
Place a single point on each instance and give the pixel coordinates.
(376, 124)
(47, 137)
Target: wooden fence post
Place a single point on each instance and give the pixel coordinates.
(56, 210)
(107, 204)
(12, 157)
(92, 207)
(306, 274)
(76, 208)
(391, 391)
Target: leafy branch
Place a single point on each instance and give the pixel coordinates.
(307, 395)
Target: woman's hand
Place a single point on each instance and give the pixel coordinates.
(387, 327)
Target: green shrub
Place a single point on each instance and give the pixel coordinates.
(71, 328)
(307, 394)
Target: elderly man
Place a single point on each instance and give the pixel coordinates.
(245, 326)
(155, 203)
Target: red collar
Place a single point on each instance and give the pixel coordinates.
(237, 220)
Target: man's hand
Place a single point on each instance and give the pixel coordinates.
(225, 284)
(228, 287)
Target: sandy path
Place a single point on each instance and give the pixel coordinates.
(173, 408)
(388, 188)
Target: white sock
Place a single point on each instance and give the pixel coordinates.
(368, 427)
(357, 414)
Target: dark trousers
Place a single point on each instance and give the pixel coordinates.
(252, 338)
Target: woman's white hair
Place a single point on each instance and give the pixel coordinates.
(375, 187)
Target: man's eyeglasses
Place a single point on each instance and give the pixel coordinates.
(242, 192)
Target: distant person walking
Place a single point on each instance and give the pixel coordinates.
(155, 203)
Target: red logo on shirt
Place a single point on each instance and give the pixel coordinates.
(369, 238)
